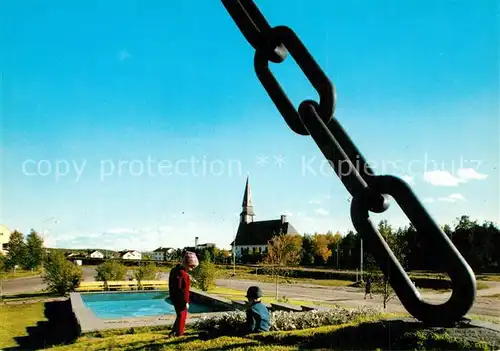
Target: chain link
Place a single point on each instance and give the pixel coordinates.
(369, 191)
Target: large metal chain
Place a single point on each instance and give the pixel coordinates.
(369, 191)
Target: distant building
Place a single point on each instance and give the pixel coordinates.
(162, 253)
(253, 237)
(4, 239)
(205, 246)
(130, 255)
(96, 254)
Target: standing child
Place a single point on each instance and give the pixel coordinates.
(179, 284)
(368, 287)
(257, 313)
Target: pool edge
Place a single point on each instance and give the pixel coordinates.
(88, 322)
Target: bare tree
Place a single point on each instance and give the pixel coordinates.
(382, 286)
(283, 250)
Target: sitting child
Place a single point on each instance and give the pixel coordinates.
(257, 313)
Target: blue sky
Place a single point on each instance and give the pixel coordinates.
(100, 97)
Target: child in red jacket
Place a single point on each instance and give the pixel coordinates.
(179, 284)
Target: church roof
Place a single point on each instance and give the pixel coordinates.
(259, 233)
(247, 197)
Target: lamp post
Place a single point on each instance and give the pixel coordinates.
(361, 260)
(338, 254)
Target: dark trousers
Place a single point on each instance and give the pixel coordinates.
(180, 320)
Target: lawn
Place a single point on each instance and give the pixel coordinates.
(246, 275)
(14, 319)
(361, 334)
(20, 273)
(490, 277)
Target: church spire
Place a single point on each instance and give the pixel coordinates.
(247, 214)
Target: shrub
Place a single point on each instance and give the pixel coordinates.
(145, 272)
(227, 323)
(109, 271)
(204, 275)
(60, 274)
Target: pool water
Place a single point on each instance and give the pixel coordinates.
(134, 304)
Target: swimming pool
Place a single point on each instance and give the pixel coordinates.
(134, 304)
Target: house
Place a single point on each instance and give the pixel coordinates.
(130, 255)
(205, 246)
(4, 239)
(96, 254)
(253, 236)
(162, 253)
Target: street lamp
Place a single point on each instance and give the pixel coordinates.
(361, 260)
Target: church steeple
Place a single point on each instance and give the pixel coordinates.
(247, 214)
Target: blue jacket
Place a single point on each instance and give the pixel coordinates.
(257, 318)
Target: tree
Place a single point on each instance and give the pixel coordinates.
(35, 250)
(350, 250)
(109, 271)
(224, 256)
(321, 249)
(2, 269)
(381, 285)
(16, 255)
(334, 242)
(283, 250)
(147, 257)
(145, 272)
(60, 274)
(308, 250)
(204, 275)
(447, 230)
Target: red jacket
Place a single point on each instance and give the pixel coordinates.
(179, 284)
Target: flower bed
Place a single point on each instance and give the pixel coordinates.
(227, 323)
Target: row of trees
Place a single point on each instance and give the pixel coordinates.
(27, 253)
(113, 270)
(211, 253)
(478, 243)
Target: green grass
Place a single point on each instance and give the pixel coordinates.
(20, 273)
(15, 318)
(491, 319)
(492, 278)
(28, 296)
(354, 335)
(365, 333)
(283, 280)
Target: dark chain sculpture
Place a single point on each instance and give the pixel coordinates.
(369, 191)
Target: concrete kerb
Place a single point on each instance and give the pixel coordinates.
(285, 307)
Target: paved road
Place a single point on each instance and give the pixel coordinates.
(352, 297)
(35, 284)
(343, 296)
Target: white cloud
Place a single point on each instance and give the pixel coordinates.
(469, 173)
(441, 178)
(452, 198)
(457, 197)
(314, 202)
(322, 212)
(120, 231)
(445, 178)
(428, 200)
(409, 179)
